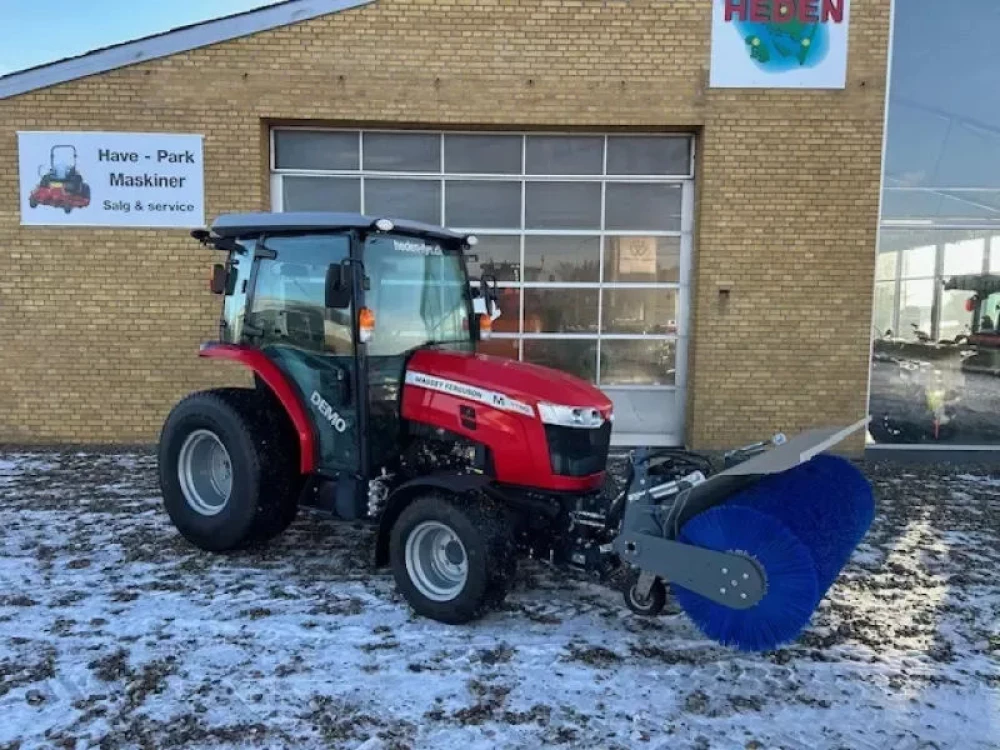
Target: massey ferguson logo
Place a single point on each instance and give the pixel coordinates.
(323, 407)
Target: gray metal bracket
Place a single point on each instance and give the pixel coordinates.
(733, 580)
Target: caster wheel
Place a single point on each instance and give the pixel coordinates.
(647, 606)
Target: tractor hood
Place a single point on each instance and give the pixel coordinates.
(526, 383)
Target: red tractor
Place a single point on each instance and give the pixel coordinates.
(62, 186)
(371, 403)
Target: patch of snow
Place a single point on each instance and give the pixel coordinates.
(115, 632)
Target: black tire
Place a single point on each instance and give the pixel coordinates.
(32, 202)
(649, 606)
(265, 479)
(67, 209)
(485, 530)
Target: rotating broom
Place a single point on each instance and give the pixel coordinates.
(750, 551)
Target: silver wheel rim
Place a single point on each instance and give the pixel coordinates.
(436, 561)
(205, 473)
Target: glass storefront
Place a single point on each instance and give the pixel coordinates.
(935, 376)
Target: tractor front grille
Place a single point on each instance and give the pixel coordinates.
(577, 452)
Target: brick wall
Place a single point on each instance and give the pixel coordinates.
(100, 328)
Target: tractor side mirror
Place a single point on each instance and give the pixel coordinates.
(491, 295)
(338, 286)
(219, 283)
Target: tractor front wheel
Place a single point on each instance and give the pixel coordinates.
(452, 557)
(228, 477)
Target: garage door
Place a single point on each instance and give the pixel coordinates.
(589, 236)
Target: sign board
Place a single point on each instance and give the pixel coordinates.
(94, 179)
(779, 44)
(636, 255)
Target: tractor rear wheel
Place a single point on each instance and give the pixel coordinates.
(453, 557)
(228, 477)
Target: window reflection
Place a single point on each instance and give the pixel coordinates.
(638, 362)
(560, 310)
(577, 357)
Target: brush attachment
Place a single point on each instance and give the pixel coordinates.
(801, 527)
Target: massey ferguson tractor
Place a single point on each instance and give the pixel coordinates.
(370, 402)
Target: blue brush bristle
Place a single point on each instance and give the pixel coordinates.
(801, 524)
(826, 503)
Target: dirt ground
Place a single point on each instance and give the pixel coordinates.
(115, 633)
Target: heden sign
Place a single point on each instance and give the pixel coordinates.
(102, 179)
(780, 43)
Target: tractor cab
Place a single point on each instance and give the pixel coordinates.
(339, 302)
(983, 301)
(983, 355)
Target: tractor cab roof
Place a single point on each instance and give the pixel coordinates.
(241, 225)
(980, 283)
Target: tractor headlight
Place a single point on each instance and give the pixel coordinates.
(571, 416)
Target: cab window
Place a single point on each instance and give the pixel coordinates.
(289, 305)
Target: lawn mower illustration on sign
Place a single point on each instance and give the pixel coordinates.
(372, 403)
(62, 186)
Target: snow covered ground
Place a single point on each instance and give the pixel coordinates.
(114, 633)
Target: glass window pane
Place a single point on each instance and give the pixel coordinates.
(321, 193)
(417, 200)
(649, 155)
(576, 357)
(310, 149)
(560, 310)
(632, 206)
(402, 152)
(497, 347)
(509, 305)
(964, 257)
(885, 264)
(499, 256)
(482, 154)
(562, 258)
(915, 308)
(885, 305)
(919, 261)
(995, 254)
(489, 205)
(288, 296)
(638, 362)
(562, 205)
(955, 319)
(642, 259)
(639, 311)
(560, 154)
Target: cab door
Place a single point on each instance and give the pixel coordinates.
(314, 346)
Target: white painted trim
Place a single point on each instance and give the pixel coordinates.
(878, 226)
(171, 43)
(650, 439)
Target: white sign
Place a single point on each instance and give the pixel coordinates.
(96, 179)
(636, 255)
(780, 44)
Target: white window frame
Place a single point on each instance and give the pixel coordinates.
(685, 234)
